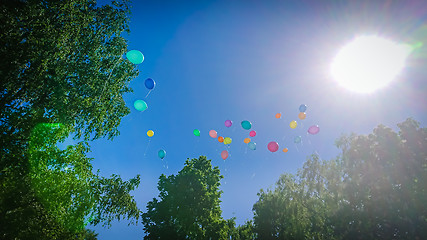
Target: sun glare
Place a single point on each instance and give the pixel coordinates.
(369, 63)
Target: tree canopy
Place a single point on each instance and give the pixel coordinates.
(188, 204)
(62, 74)
(374, 190)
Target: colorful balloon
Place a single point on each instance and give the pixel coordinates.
(247, 140)
(220, 139)
(297, 139)
(224, 154)
(252, 133)
(228, 123)
(150, 133)
(161, 153)
(196, 132)
(293, 124)
(213, 133)
(314, 129)
(246, 125)
(278, 115)
(135, 56)
(302, 115)
(252, 145)
(140, 105)
(273, 146)
(149, 83)
(285, 150)
(227, 140)
(302, 108)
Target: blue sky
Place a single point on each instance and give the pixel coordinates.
(248, 60)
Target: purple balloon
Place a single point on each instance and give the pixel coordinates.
(228, 123)
(314, 129)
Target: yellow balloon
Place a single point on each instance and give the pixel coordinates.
(247, 140)
(150, 133)
(227, 140)
(293, 124)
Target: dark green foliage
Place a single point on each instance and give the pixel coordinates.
(374, 190)
(242, 232)
(188, 205)
(61, 73)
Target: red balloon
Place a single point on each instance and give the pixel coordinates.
(224, 154)
(273, 146)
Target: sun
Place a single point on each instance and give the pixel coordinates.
(369, 63)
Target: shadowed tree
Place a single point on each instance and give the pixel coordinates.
(62, 73)
(374, 190)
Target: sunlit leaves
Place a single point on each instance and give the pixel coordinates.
(188, 205)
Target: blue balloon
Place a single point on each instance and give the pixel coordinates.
(302, 108)
(252, 145)
(150, 83)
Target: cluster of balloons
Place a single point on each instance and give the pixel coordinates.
(136, 57)
(274, 146)
(247, 125)
(139, 104)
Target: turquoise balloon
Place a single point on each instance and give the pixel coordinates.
(297, 139)
(161, 153)
(252, 145)
(135, 56)
(246, 125)
(140, 105)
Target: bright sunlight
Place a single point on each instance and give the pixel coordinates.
(369, 63)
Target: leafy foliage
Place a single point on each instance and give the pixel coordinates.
(188, 205)
(374, 190)
(62, 73)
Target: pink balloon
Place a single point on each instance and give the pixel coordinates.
(213, 133)
(228, 123)
(224, 154)
(313, 129)
(273, 146)
(252, 133)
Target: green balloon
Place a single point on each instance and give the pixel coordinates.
(135, 56)
(161, 153)
(196, 132)
(246, 125)
(140, 105)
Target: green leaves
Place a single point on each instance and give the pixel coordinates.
(62, 73)
(373, 190)
(188, 205)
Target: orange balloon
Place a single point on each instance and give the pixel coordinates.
(285, 150)
(278, 115)
(220, 139)
(247, 140)
(302, 115)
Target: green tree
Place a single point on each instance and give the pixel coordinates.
(241, 232)
(62, 73)
(384, 179)
(188, 205)
(374, 190)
